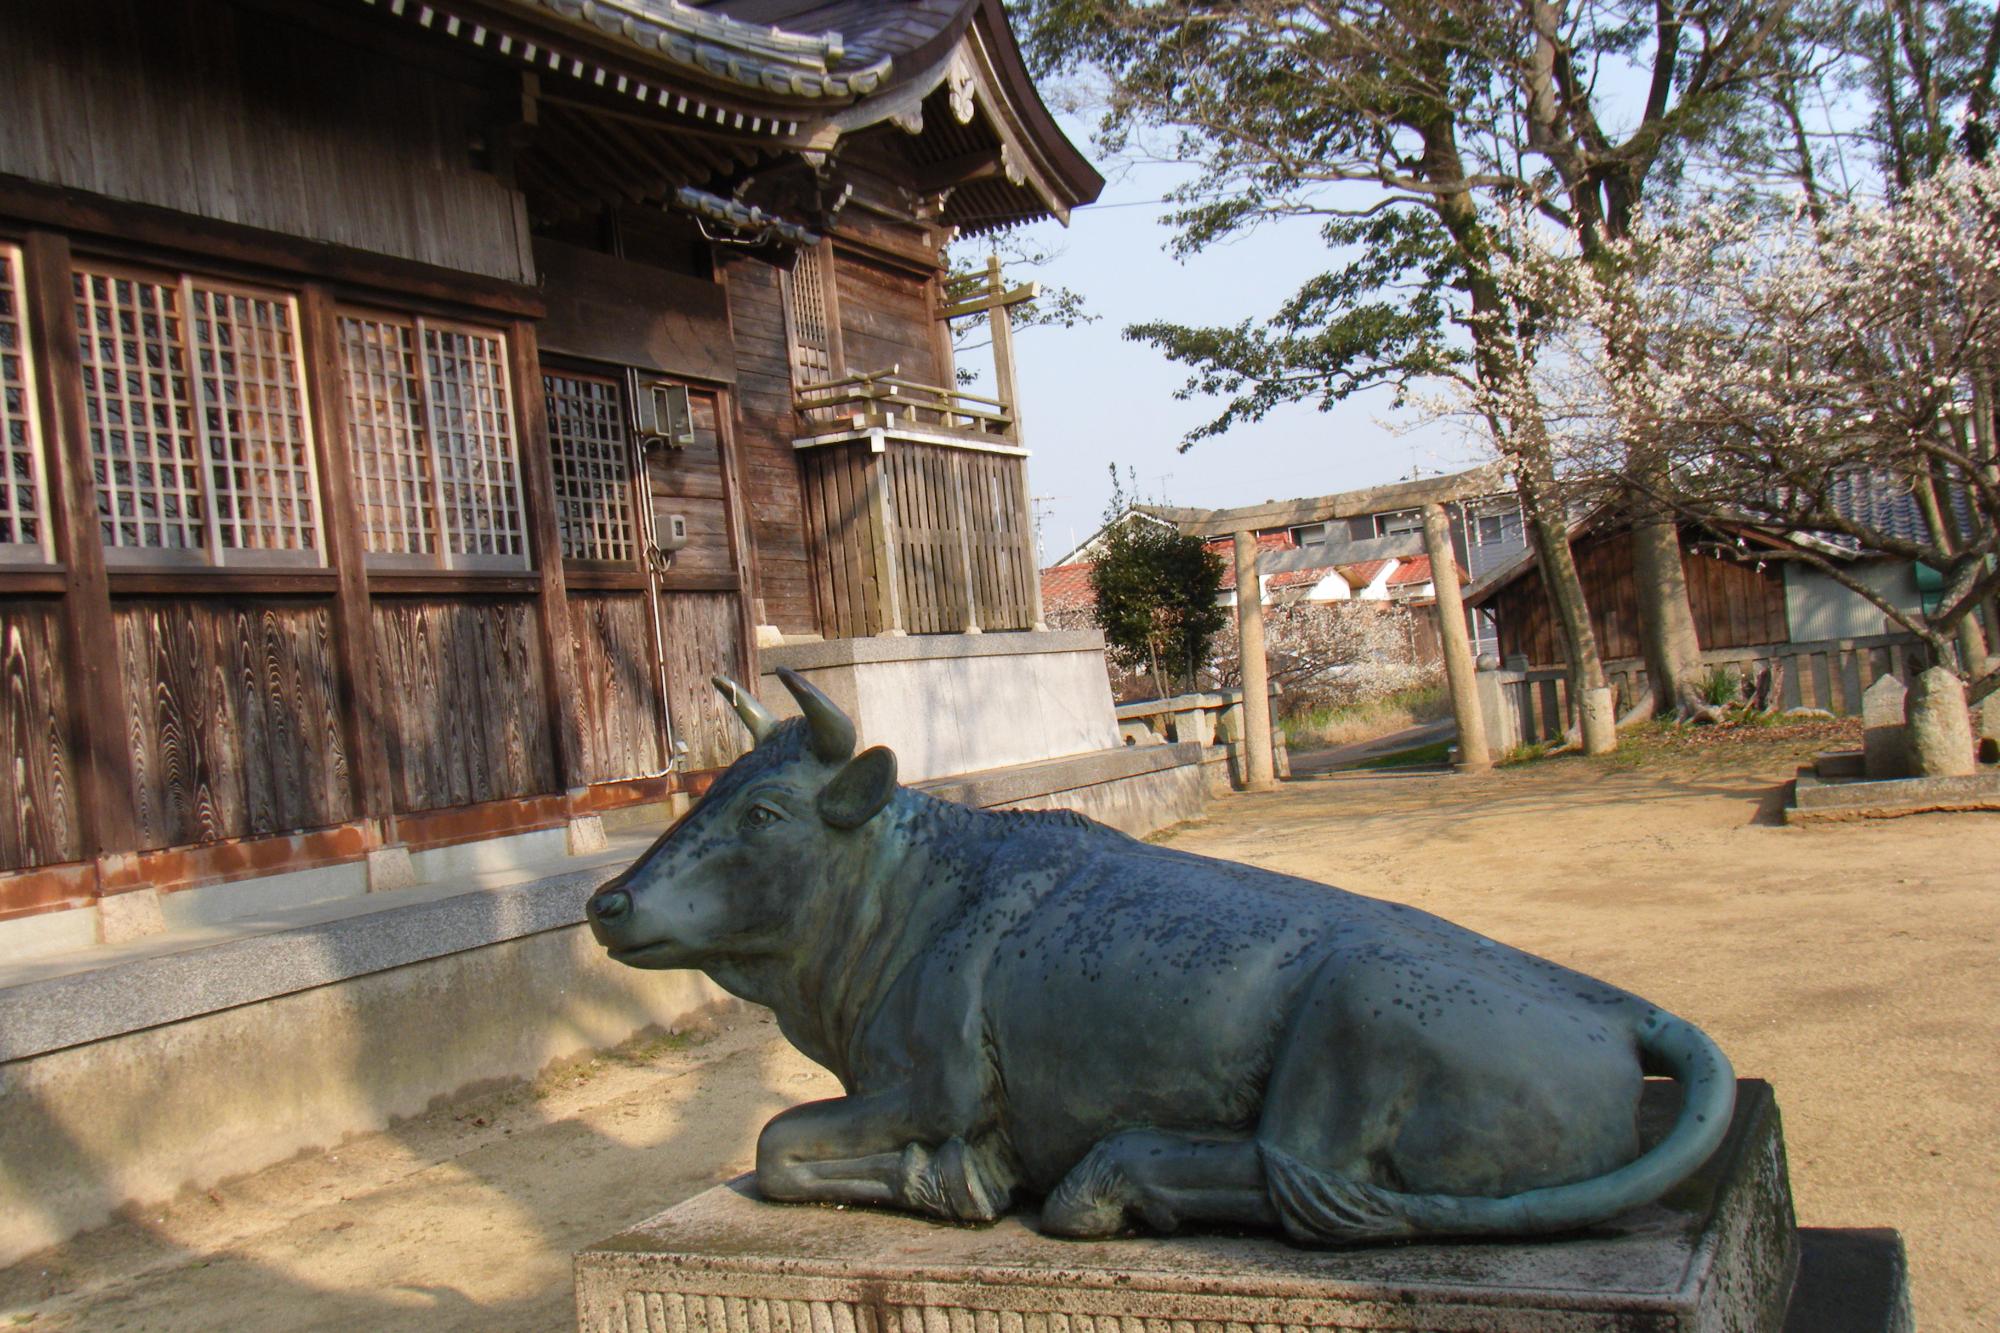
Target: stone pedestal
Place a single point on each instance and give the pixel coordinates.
(1720, 1252)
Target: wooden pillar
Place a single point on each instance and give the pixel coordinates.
(1259, 770)
(882, 531)
(363, 720)
(1459, 668)
(1003, 350)
(742, 551)
(545, 549)
(955, 480)
(836, 341)
(1040, 622)
(106, 800)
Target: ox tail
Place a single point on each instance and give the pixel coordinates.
(1318, 1207)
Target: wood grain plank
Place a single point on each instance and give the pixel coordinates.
(39, 824)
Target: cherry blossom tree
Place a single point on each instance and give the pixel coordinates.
(1780, 364)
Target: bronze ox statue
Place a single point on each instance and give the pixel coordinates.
(1031, 1004)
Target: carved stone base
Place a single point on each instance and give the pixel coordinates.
(1720, 1252)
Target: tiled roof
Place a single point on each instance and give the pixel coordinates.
(1417, 569)
(1360, 575)
(1067, 588)
(1883, 502)
(1226, 548)
(1299, 578)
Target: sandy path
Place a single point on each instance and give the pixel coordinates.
(1852, 966)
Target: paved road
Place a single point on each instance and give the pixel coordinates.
(1311, 763)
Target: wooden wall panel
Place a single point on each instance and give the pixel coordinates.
(689, 482)
(840, 524)
(461, 681)
(238, 115)
(885, 321)
(630, 314)
(765, 427)
(618, 697)
(231, 708)
(38, 792)
(1734, 605)
(704, 638)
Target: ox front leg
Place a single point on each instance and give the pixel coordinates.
(868, 1150)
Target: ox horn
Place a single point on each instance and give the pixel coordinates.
(832, 731)
(756, 717)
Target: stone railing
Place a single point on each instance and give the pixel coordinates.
(1212, 719)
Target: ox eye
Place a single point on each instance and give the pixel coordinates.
(759, 816)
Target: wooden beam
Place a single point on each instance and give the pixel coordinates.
(1458, 664)
(836, 339)
(1259, 767)
(538, 487)
(991, 301)
(363, 720)
(188, 234)
(742, 551)
(1469, 485)
(966, 167)
(1002, 325)
(107, 802)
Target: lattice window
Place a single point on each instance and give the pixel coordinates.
(253, 420)
(592, 460)
(140, 414)
(806, 307)
(23, 517)
(194, 401)
(385, 415)
(431, 428)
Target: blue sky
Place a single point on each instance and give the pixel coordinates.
(1089, 398)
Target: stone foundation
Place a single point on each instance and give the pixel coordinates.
(950, 704)
(1720, 1252)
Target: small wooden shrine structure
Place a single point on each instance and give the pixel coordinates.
(408, 404)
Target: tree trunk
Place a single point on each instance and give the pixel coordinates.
(1666, 619)
(1548, 530)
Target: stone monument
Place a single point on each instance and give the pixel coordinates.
(1939, 733)
(1029, 1005)
(1031, 1013)
(1884, 754)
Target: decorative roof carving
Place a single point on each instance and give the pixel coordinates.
(750, 223)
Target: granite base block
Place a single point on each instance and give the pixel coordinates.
(1720, 1252)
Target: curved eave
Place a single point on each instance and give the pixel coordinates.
(979, 97)
(706, 48)
(1061, 161)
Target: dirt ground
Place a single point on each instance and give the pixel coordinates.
(1853, 966)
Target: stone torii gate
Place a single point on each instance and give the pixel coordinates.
(1430, 494)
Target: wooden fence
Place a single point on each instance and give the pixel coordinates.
(1532, 706)
(919, 537)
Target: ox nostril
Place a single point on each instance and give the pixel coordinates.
(611, 906)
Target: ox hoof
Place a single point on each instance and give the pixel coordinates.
(949, 1184)
(1099, 1198)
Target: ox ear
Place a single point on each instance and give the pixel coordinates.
(860, 789)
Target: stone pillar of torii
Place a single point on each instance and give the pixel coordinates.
(1430, 495)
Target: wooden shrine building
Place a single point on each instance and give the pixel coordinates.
(408, 404)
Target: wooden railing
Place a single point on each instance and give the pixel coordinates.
(886, 399)
(917, 510)
(1527, 707)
